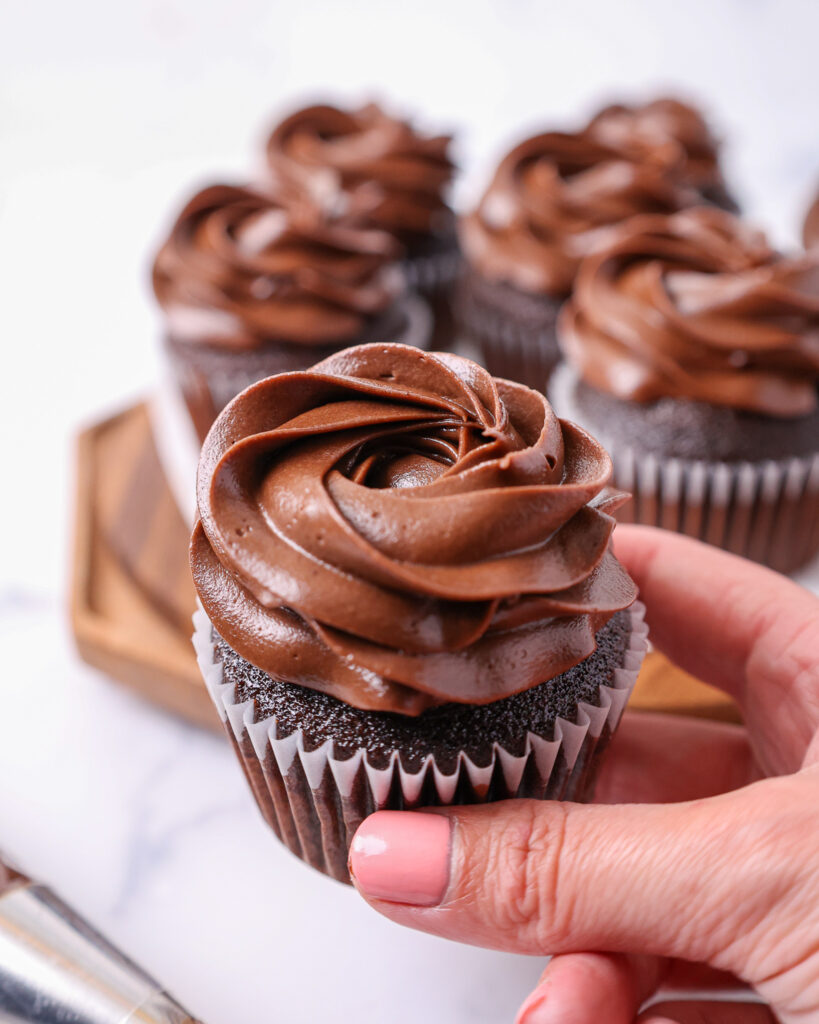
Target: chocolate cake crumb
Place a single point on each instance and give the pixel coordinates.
(442, 731)
(694, 430)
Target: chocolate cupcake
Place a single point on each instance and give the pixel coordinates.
(253, 284)
(553, 199)
(655, 125)
(692, 352)
(408, 593)
(392, 176)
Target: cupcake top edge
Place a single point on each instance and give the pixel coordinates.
(243, 266)
(697, 306)
(399, 529)
(397, 176)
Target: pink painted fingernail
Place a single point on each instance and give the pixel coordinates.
(402, 857)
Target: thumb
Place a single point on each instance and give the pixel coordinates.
(683, 880)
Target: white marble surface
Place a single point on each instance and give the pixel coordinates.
(108, 112)
(147, 825)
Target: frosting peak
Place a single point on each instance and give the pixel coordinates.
(242, 267)
(556, 197)
(396, 177)
(655, 126)
(399, 529)
(697, 306)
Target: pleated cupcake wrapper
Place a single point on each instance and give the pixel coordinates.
(427, 274)
(767, 511)
(509, 349)
(315, 801)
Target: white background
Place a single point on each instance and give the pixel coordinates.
(109, 113)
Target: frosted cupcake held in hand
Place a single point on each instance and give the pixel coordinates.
(409, 594)
(388, 174)
(253, 283)
(693, 352)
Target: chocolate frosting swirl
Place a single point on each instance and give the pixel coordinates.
(697, 306)
(653, 126)
(242, 267)
(399, 529)
(554, 199)
(397, 178)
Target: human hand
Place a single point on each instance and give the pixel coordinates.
(704, 870)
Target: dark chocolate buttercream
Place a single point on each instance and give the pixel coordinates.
(399, 529)
(243, 267)
(554, 199)
(397, 178)
(650, 127)
(697, 306)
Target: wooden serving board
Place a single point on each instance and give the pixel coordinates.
(133, 598)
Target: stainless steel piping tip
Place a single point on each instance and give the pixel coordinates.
(56, 969)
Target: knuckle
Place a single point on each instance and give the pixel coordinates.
(524, 862)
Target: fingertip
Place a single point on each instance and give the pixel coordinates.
(585, 988)
(534, 1009)
(740, 626)
(637, 547)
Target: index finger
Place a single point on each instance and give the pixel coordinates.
(736, 625)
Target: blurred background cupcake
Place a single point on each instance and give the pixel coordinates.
(253, 282)
(395, 177)
(665, 120)
(553, 199)
(409, 594)
(691, 351)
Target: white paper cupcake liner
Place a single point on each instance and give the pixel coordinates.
(767, 511)
(315, 801)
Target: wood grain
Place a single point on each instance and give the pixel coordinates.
(132, 595)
